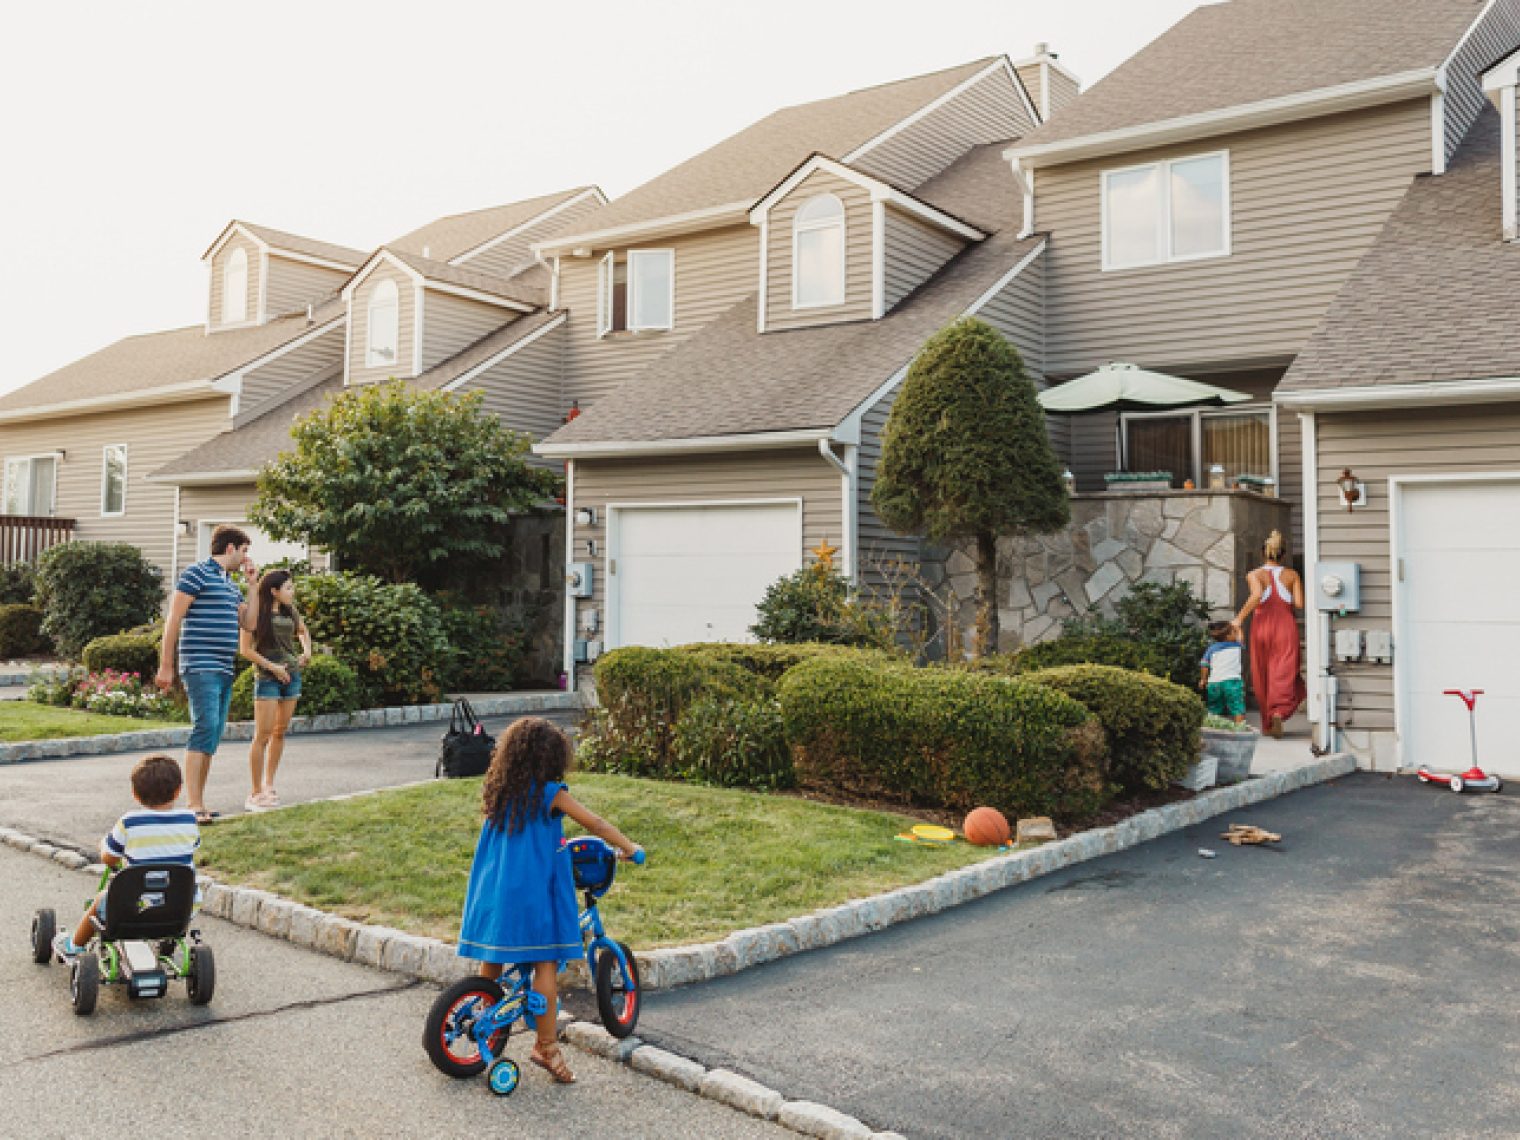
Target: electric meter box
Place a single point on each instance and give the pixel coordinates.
(579, 578)
(1338, 587)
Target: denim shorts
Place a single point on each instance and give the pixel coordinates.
(269, 689)
(210, 696)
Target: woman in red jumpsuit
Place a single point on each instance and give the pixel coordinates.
(1276, 674)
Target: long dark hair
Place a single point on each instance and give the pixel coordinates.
(533, 752)
(263, 630)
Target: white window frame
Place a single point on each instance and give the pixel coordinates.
(799, 228)
(634, 257)
(11, 461)
(1197, 415)
(370, 360)
(605, 271)
(105, 476)
(238, 257)
(1164, 208)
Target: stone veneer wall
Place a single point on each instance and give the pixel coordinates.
(1208, 539)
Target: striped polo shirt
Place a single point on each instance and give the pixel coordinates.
(208, 639)
(148, 835)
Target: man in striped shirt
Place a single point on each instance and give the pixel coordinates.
(201, 634)
(155, 833)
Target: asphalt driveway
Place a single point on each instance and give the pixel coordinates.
(1361, 981)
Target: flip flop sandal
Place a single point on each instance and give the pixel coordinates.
(552, 1061)
(204, 818)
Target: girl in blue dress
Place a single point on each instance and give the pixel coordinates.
(520, 906)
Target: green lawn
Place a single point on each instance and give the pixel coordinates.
(719, 860)
(23, 720)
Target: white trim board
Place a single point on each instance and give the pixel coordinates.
(709, 217)
(384, 256)
(536, 220)
(1001, 63)
(1425, 394)
(617, 449)
(497, 357)
(879, 191)
(168, 394)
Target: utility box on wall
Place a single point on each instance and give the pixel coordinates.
(1338, 587)
(578, 579)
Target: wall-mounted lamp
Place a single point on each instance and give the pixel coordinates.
(1353, 492)
(182, 528)
(585, 516)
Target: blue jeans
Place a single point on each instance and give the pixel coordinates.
(269, 689)
(210, 697)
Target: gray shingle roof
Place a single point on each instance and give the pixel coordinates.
(1434, 298)
(163, 360)
(746, 166)
(518, 288)
(253, 444)
(450, 236)
(295, 243)
(730, 379)
(447, 371)
(1244, 51)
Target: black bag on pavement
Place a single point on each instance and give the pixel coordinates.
(467, 747)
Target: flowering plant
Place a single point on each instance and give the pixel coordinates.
(121, 694)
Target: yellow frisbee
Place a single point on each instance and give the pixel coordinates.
(933, 832)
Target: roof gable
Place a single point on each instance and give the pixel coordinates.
(288, 245)
(456, 237)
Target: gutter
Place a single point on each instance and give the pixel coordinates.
(710, 217)
(626, 449)
(1426, 394)
(204, 478)
(169, 394)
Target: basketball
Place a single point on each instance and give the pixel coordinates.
(986, 827)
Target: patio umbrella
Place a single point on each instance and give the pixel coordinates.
(1127, 388)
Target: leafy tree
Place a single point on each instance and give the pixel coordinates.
(402, 484)
(965, 456)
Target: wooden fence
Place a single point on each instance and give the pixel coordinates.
(23, 538)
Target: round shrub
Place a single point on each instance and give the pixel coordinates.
(734, 743)
(817, 603)
(1095, 649)
(484, 654)
(89, 589)
(125, 653)
(21, 630)
(390, 635)
(18, 584)
(767, 661)
(327, 686)
(941, 738)
(1151, 724)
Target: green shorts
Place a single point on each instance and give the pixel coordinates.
(1227, 698)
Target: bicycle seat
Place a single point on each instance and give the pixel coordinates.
(148, 902)
(595, 864)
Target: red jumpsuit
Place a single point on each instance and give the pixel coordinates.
(1275, 668)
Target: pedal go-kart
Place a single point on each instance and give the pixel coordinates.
(145, 942)
(467, 1029)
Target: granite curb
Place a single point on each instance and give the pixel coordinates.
(433, 960)
(507, 704)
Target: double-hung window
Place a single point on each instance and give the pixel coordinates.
(818, 253)
(235, 288)
(383, 326)
(113, 480)
(1178, 210)
(30, 483)
(637, 294)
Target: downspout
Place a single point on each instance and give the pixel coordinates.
(1025, 179)
(1322, 696)
(569, 651)
(847, 468)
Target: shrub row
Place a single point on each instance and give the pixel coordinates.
(90, 589)
(327, 686)
(21, 631)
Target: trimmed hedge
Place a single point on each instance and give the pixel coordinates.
(18, 584)
(1096, 649)
(91, 589)
(327, 686)
(125, 653)
(943, 738)
(734, 743)
(770, 661)
(391, 635)
(1151, 724)
(21, 630)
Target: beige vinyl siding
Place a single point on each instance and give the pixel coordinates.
(990, 110)
(1495, 35)
(1018, 312)
(879, 549)
(1376, 446)
(510, 255)
(1307, 200)
(1063, 89)
(451, 323)
(1029, 75)
(153, 437)
(298, 364)
(713, 271)
(358, 323)
(524, 389)
(858, 237)
(219, 504)
(254, 254)
(756, 475)
(914, 252)
(295, 284)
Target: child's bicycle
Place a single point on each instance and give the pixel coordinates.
(144, 943)
(467, 1028)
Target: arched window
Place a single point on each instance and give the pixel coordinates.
(235, 289)
(383, 327)
(818, 253)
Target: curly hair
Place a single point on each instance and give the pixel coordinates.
(533, 752)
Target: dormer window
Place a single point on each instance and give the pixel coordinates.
(382, 326)
(1166, 211)
(818, 253)
(235, 289)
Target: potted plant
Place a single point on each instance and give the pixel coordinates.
(1231, 745)
(1138, 481)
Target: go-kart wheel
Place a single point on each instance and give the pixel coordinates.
(1498, 785)
(617, 998)
(44, 927)
(200, 981)
(1455, 783)
(84, 982)
(448, 1035)
(503, 1077)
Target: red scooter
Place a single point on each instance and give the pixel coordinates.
(1475, 779)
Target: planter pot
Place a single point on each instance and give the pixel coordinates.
(1138, 485)
(1232, 753)
(1201, 775)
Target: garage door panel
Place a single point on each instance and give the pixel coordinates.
(1474, 516)
(1444, 741)
(1442, 583)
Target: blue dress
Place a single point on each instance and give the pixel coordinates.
(520, 905)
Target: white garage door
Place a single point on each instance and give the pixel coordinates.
(1460, 606)
(265, 549)
(685, 574)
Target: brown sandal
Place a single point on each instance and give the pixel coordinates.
(550, 1059)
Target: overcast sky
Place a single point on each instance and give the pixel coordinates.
(132, 133)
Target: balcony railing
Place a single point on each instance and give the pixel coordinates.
(23, 538)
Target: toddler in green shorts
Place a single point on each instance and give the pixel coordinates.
(1222, 676)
